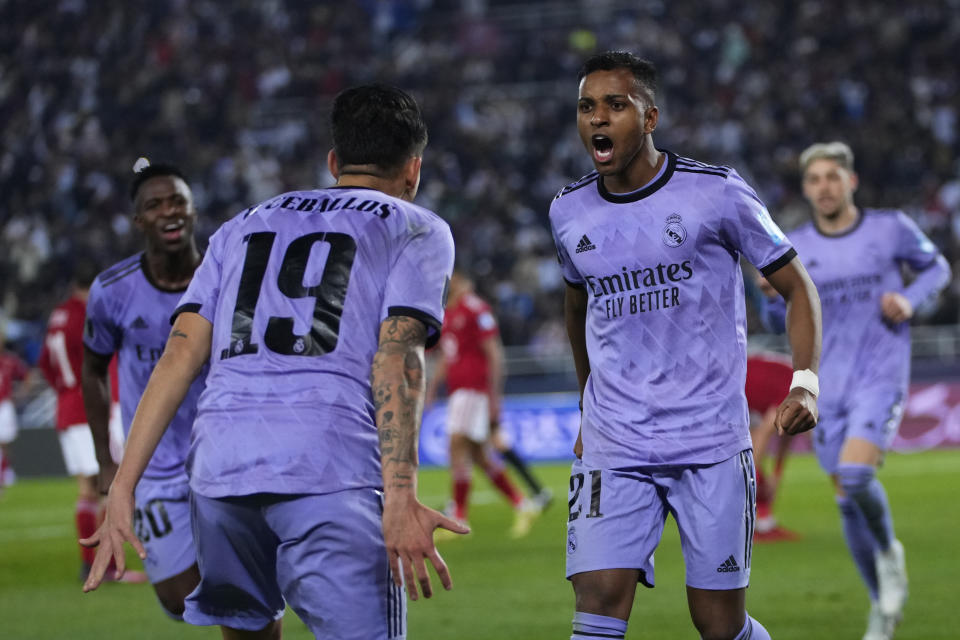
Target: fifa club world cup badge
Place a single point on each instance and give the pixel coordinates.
(674, 233)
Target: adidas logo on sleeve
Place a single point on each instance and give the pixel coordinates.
(585, 244)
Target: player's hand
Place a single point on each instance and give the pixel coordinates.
(117, 527)
(895, 307)
(797, 413)
(578, 445)
(408, 533)
(105, 478)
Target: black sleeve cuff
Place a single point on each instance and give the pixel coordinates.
(433, 325)
(190, 307)
(779, 262)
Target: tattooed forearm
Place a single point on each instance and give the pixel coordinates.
(397, 385)
(413, 368)
(176, 333)
(404, 330)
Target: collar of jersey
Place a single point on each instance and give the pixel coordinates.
(145, 268)
(845, 232)
(647, 190)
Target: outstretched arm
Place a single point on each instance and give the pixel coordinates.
(397, 381)
(188, 348)
(898, 307)
(575, 314)
(95, 380)
(798, 411)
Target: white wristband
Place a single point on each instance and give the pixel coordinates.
(806, 379)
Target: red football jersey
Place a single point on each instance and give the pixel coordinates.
(465, 326)
(62, 358)
(12, 369)
(768, 381)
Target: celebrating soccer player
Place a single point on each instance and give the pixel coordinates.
(855, 257)
(61, 362)
(649, 245)
(471, 365)
(313, 308)
(128, 313)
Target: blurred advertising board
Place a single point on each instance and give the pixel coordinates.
(544, 426)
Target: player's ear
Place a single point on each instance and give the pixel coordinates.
(854, 181)
(137, 216)
(332, 165)
(650, 118)
(411, 177)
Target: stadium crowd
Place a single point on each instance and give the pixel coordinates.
(234, 91)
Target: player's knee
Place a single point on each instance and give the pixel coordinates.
(603, 597)
(717, 615)
(87, 488)
(173, 607)
(172, 595)
(854, 479)
(461, 472)
(718, 628)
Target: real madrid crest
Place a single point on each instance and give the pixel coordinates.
(571, 540)
(674, 233)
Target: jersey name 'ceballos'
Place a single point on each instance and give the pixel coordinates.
(665, 326)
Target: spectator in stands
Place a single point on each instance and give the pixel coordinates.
(492, 77)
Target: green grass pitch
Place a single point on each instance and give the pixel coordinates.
(515, 589)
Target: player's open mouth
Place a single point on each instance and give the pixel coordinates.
(173, 231)
(602, 148)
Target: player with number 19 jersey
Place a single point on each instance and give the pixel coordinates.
(294, 288)
(666, 321)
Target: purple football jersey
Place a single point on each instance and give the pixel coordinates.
(129, 314)
(852, 271)
(665, 326)
(296, 288)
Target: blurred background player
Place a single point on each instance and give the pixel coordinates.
(13, 373)
(61, 362)
(768, 382)
(128, 314)
(471, 364)
(856, 257)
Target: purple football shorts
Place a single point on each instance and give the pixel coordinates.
(322, 553)
(873, 415)
(162, 522)
(617, 516)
